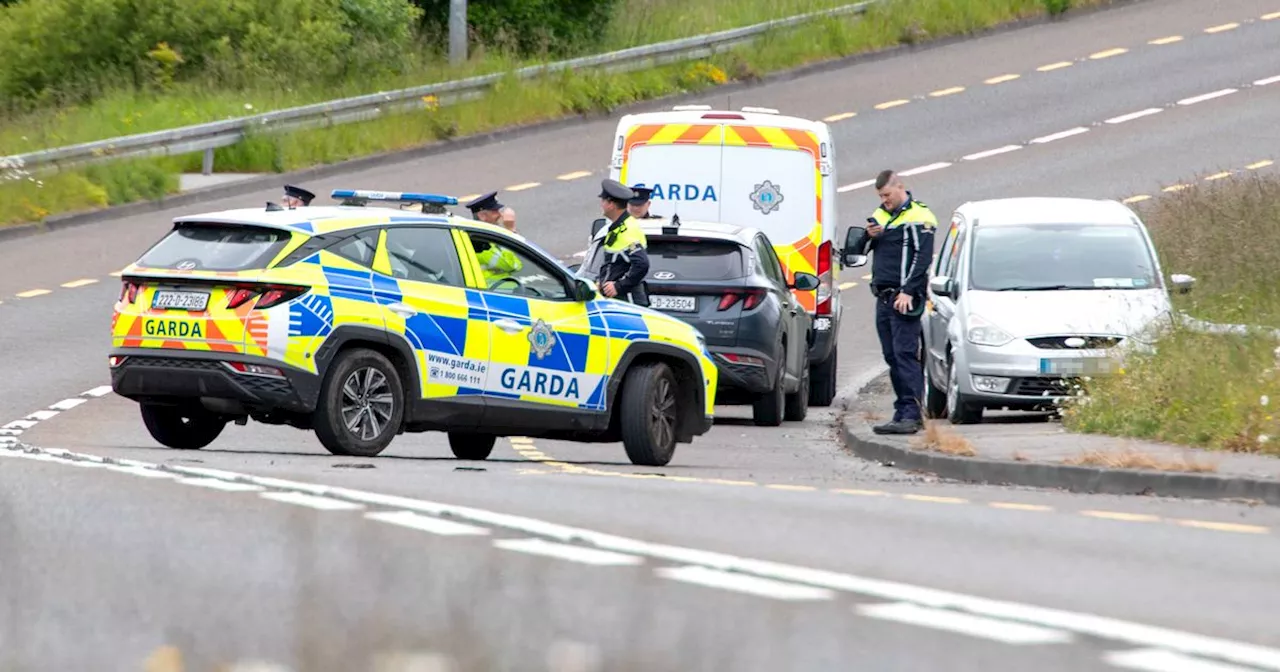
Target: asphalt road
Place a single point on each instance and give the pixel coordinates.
(124, 563)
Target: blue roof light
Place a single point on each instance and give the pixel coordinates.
(394, 196)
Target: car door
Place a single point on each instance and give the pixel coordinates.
(794, 320)
(942, 308)
(420, 277)
(546, 369)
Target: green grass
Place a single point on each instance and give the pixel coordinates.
(514, 102)
(1206, 390)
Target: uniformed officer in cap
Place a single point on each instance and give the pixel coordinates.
(487, 209)
(296, 197)
(638, 206)
(626, 257)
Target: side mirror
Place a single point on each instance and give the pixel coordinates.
(805, 282)
(597, 225)
(1182, 283)
(584, 290)
(941, 286)
(855, 239)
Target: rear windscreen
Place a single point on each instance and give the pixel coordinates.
(216, 247)
(696, 260)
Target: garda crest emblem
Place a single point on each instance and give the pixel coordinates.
(542, 339)
(766, 198)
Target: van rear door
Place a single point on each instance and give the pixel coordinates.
(680, 162)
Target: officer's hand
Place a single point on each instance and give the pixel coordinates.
(902, 303)
(874, 230)
(509, 219)
(608, 289)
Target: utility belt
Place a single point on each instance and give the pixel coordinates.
(885, 293)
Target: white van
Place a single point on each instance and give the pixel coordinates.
(750, 168)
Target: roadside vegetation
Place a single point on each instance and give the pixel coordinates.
(1200, 389)
(75, 71)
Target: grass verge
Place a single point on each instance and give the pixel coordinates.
(1136, 459)
(1197, 389)
(27, 198)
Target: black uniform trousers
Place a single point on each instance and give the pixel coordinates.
(900, 344)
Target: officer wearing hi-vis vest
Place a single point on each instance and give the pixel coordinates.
(625, 247)
(901, 239)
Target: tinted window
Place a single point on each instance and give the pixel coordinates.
(424, 255)
(358, 248)
(216, 247)
(514, 271)
(1065, 256)
(697, 259)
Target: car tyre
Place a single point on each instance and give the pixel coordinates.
(935, 400)
(960, 411)
(648, 413)
(798, 401)
(769, 408)
(181, 428)
(470, 446)
(822, 380)
(361, 404)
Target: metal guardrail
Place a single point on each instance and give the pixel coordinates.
(210, 136)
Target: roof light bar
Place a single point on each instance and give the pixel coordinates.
(362, 196)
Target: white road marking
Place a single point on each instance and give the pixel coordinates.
(1134, 115)
(219, 484)
(416, 521)
(523, 186)
(1267, 81)
(855, 185)
(68, 404)
(99, 391)
(1207, 96)
(1219, 29)
(21, 424)
(1007, 632)
(1060, 135)
(992, 152)
(574, 175)
(312, 501)
(41, 415)
(141, 471)
(839, 117)
(744, 583)
(925, 169)
(79, 283)
(588, 556)
(1160, 660)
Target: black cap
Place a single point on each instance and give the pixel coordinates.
(616, 190)
(642, 195)
(487, 202)
(299, 193)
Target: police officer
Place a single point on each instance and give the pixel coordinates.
(901, 239)
(626, 259)
(296, 197)
(639, 205)
(487, 209)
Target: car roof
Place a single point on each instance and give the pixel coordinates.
(314, 220)
(701, 229)
(1047, 210)
(705, 114)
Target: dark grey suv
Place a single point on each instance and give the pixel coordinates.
(727, 281)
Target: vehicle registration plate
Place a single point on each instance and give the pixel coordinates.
(685, 304)
(1077, 367)
(165, 300)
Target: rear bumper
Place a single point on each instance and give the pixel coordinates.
(825, 328)
(148, 374)
(739, 377)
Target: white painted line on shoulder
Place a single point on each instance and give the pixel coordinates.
(1060, 135)
(855, 185)
(40, 416)
(992, 152)
(422, 523)
(1267, 81)
(967, 624)
(587, 556)
(219, 484)
(839, 117)
(925, 169)
(743, 583)
(100, 391)
(312, 501)
(68, 404)
(141, 471)
(1161, 660)
(1208, 96)
(1134, 115)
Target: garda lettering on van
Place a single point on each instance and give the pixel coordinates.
(682, 192)
(172, 328)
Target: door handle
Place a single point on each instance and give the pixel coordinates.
(508, 325)
(402, 310)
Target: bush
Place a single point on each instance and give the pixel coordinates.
(527, 27)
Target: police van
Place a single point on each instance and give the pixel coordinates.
(751, 168)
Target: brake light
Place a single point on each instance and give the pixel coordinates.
(255, 369)
(825, 279)
(723, 115)
(751, 298)
(268, 295)
(129, 291)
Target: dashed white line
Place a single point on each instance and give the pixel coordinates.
(40, 416)
(68, 404)
(1208, 96)
(1161, 660)
(1060, 135)
(1001, 79)
(1221, 28)
(99, 391)
(79, 283)
(574, 175)
(1007, 632)
(219, 484)
(892, 103)
(1134, 115)
(839, 117)
(992, 152)
(312, 501)
(422, 523)
(523, 185)
(855, 185)
(1108, 53)
(1166, 40)
(1267, 81)
(946, 92)
(1055, 66)
(588, 556)
(743, 583)
(925, 169)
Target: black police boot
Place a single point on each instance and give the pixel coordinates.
(908, 426)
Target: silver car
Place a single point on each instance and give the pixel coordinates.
(1028, 295)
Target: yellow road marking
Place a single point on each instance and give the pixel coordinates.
(847, 285)
(892, 103)
(1175, 187)
(1019, 506)
(1108, 53)
(116, 274)
(79, 283)
(840, 117)
(863, 493)
(1137, 199)
(1055, 66)
(524, 185)
(1117, 515)
(31, 293)
(1167, 40)
(574, 175)
(1260, 164)
(866, 277)
(797, 488)
(1001, 79)
(946, 92)
(1271, 16)
(939, 500)
(1223, 527)
(723, 481)
(1221, 28)
(1218, 176)
(468, 197)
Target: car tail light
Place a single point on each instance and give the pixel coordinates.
(750, 298)
(129, 291)
(116, 360)
(825, 279)
(742, 359)
(255, 369)
(268, 295)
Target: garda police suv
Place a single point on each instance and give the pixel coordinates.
(360, 323)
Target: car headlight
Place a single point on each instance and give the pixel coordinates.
(983, 332)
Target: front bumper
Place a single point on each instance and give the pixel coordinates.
(166, 376)
(1019, 374)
